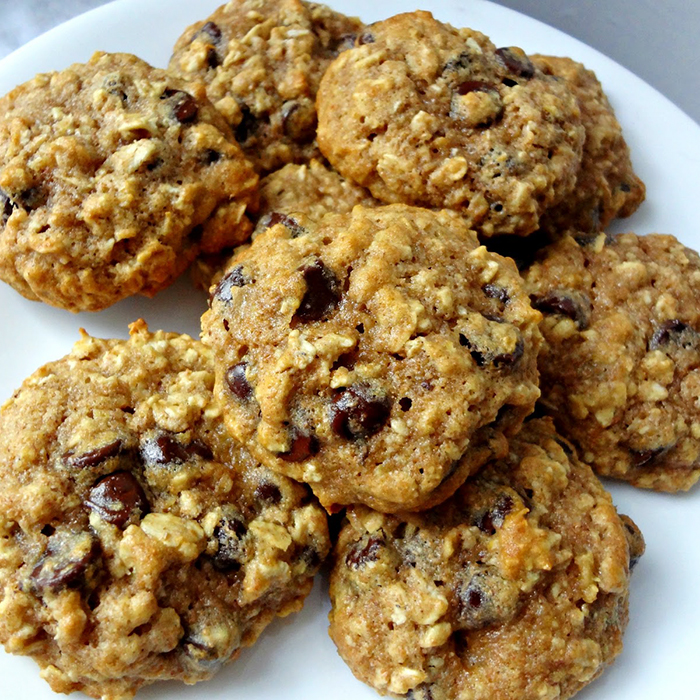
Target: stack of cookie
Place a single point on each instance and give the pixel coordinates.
(373, 352)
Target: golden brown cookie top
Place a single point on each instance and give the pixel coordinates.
(422, 113)
(621, 361)
(139, 541)
(516, 587)
(261, 62)
(362, 353)
(113, 176)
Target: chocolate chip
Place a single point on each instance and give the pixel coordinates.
(322, 292)
(495, 291)
(365, 38)
(211, 156)
(234, 278)
(299, 120)
(115, 498)
(673, 332)
(65, 562)
(7, 207)
(641, 458)
(200, 449)
(237, 382)
(515, 61)
(163, 449)
(624, 187)
(97, 456)
(421, 692)
(342, 43)
(268, 492)
(364, 551)
(474, 86)
(405, 404)
(359, 411)
(209, 31)
(200, 650)
(229, 534)
(247, 126)
(276, 217)
(577, 308)
(475, 607)
(635, 540)
(462, 61)
(115, 86)
(493, 518)
(506, 360)
(478, 356)
(183, 106)
(213, 59)
(302, 445)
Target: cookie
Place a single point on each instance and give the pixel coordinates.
(620, 364)
(261, 62)
(515, 588)
(422, 113)
(606, 186)
(378, 355)
(138, 541)
(312, 189)
(113, 177)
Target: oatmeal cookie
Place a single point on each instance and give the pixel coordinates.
(515, 588)
(261, 62)
(113, 177)
(620, 364)
(425, 114)
(138, 541)
(378, 355)
(606, 186)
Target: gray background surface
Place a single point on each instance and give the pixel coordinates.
(656, 40)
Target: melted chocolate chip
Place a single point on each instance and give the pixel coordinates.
(478, 356)
(163, 449)
(229, 534)
(342, 43)
(364, 551)
(95, 457)
(505, 360)
(213, 59)
(200, 650)
(302, 445)
(641, 458)
(115, 498)
(359, 411)
(405, 404)
(422, 692)
(65, 562)
(462, 61)
(238, 383)
(493, 518)
(247, 126)
(276, 217)
(675, 333)
(114, 86)
(495, 291)
(365, 38)
(209, 31)
(268, 492)
(474, 86)
(322, 292)
(235, 278)
(563, 303)
(299, 121)
(515, 61)
(183, 106)
(200, 449)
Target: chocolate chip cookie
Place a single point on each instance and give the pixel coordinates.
(606, 186)
(113, 177)
(422, 113)
(378, 355)
(138, 541)
(515, 588)
(261, 62)
(620, 364)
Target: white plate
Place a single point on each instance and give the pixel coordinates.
(295, 657)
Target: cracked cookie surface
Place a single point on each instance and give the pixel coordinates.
(422, 113)
(515, 588)
(620, 366)
(113, 177)
(377, 355)
(138, 541)
(261, 62)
